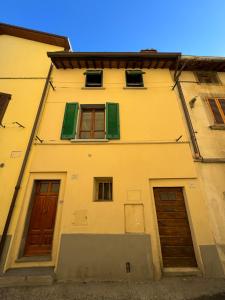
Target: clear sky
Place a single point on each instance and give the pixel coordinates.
(189, 26)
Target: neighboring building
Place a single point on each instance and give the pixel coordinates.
(23, 73)
(203, 95)
(111, 190)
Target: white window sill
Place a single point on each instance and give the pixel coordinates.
(93, 88)
(89, 140)
(134, 87)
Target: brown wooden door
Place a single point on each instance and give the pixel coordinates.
(174, 231)
(42, 219)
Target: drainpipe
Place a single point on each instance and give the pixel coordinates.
(189, 123)
(19, 180)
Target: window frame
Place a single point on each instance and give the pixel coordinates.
(210, 73)
(97, 181)
(92, 108)
(218, 105)
(89, 72)
(133, 85)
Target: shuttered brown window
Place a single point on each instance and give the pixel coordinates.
(217, 107)
(207, 77)
(4, 100)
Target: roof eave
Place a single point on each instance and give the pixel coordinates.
(35, 35)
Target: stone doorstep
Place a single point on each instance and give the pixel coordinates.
(37, 280)
(174, 272)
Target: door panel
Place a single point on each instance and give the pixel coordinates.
(42, 220)
(174, 231)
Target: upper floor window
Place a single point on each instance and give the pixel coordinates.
(217, 107)
(4, 101)
(207, 77)
(93, 78)
(134, 78)
(94, 121)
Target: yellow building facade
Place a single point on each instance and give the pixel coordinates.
(111, 191)
(204, 98)
(24, 69)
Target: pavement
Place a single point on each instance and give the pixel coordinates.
(176, 288)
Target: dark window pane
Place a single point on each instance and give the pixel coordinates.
(167, 196)
(43, 187)
(4, 100)
(110, 190)
(86, 120)
(106, 191)
(99, 135)
(163, 196)
(93, 79)
(222, 104)
(216, 112)
(100, 191)
(85, 135)
(55, 187)
(207, 77)
(99, 120)
(134, 79)
(171, 196)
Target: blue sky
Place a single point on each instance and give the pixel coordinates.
(192, 27)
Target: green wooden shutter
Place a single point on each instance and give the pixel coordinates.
(112, 121)
(70, 121)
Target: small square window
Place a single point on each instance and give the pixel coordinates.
(93, 78)
(103, 189)
(134, 78)
(207, 77)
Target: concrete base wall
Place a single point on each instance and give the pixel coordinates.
(4, 254)
(105, 257)
(213, 267)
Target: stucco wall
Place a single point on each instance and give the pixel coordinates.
(212, 145)
(19, 58)
(145, 156)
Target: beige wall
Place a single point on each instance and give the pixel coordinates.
(212, 145)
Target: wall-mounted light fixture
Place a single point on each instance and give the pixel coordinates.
(192, 102)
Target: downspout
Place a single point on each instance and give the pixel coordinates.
(189, 123)
(194, 142)
(19, 180)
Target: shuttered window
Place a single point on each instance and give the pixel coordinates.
(207, 77)
(112, 121)
(98, 121)
(4, 101)
(70, 121)
(217, 107)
